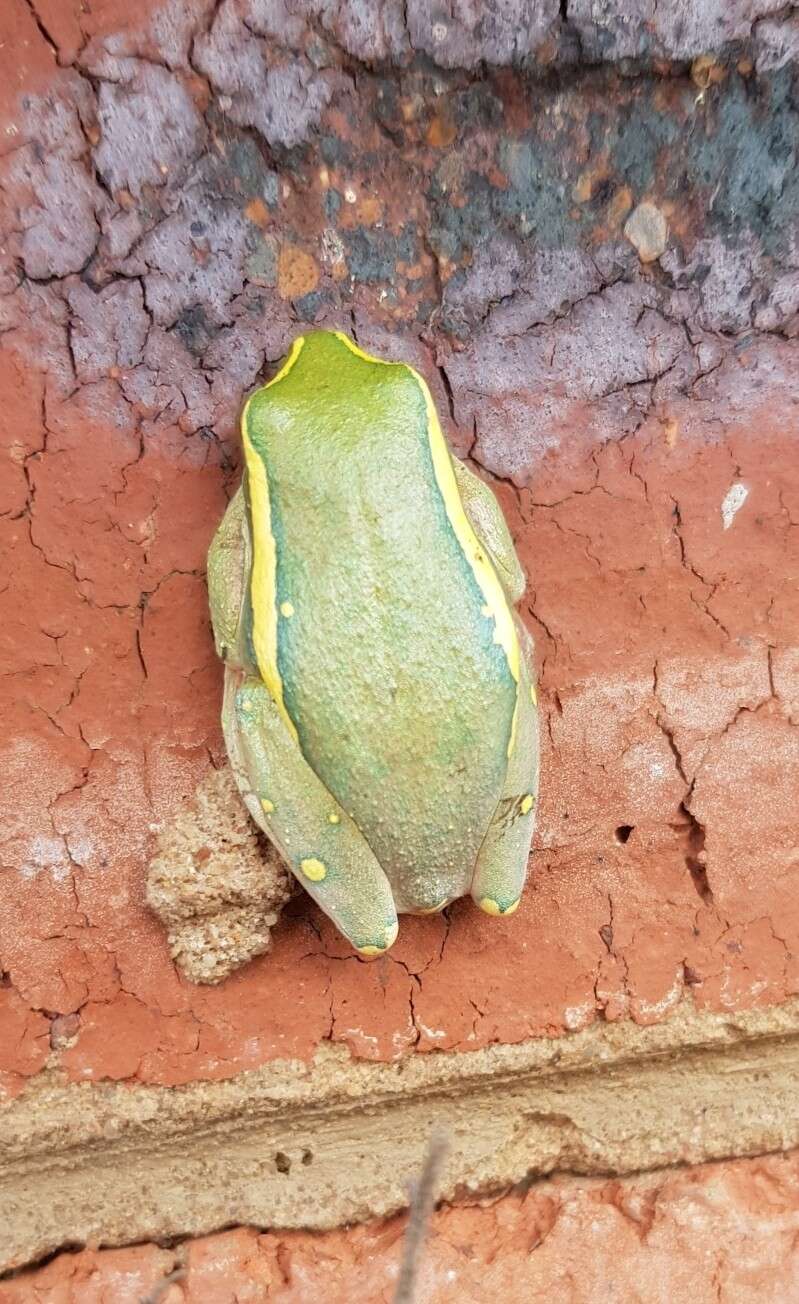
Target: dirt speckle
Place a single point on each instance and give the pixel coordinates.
(297, 273)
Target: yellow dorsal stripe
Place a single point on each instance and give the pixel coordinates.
(484, 573)
(263, 583)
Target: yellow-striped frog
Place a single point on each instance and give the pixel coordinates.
(380, 710)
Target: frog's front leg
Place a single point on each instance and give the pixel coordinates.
(319, 841)
(490, 526)
(228, 567)
(502, 860)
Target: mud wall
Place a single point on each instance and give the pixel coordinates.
(581, 226)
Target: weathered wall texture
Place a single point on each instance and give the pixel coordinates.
(580, 222)
(321, 1145)
(722, 1234)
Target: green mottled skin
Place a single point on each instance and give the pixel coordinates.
(401, 699)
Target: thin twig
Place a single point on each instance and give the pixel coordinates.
(421, 1207)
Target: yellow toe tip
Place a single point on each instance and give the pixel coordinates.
(492, 907)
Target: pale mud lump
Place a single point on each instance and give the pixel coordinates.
(216, 883)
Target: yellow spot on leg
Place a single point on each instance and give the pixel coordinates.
(492, 907)
(391, 937)
(527, 803)
(333, 818)
(313, 869)
(287, 610)
(267, 805)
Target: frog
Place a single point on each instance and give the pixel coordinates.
(379, 706)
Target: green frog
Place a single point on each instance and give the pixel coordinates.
(379, 707)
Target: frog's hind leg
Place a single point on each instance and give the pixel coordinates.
(319, 841)
(501, 865)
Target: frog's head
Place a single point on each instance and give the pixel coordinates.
(324, 378)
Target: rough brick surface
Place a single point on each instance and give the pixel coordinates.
(726, 1232)
(166, 231)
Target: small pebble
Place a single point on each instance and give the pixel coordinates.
(647, 230)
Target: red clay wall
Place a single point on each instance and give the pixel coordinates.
(469, 202)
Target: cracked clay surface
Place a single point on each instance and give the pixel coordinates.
(455, 194)
(722, 1232)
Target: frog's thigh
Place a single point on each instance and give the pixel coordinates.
(489, 524)
(502, 860)
(319, 841)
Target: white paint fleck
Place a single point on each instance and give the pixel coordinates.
(433, 1033)
(734, 500)
(579, 1016)
(81, 850)
(46, 854)
(657, 1009)
(439, 32)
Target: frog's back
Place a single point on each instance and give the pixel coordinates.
(383, 630)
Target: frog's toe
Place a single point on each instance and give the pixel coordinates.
(361, 906)
(382, 943)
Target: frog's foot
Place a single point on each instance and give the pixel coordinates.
(502, 860)
(321, 844)
(502, 863)
(491, 528)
